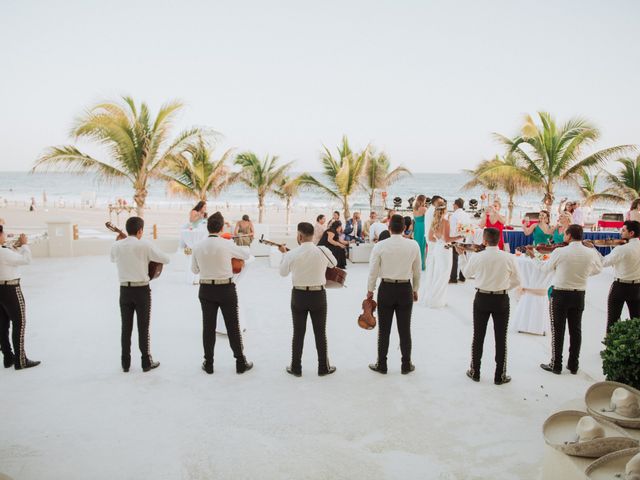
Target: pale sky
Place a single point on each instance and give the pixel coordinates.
(426, 81)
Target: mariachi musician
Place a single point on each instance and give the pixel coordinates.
(12, 302)
(307, 264)
(132, 255)
(212, 259)
(625, 261)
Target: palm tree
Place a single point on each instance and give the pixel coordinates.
(501, 173)
(138, 145)
(626, 182)
(287, 189)
(262, 176)
(551, 154)
(587, 184)
(343, 173)
(377, 176)
(194, 173)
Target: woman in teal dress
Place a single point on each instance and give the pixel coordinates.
(419, 209)
(563, 222)
(542, 231)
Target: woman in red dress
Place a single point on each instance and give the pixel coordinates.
(493, 219)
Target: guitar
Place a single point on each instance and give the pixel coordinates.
(155, 268)
(335, 277)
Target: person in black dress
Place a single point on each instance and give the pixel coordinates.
(331, 240)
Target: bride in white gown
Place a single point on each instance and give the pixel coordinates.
(433, 293)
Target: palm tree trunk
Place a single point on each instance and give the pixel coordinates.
(288, 217)
(372, 197)
(260, 208)
(140, 198)
(510, 206)
(345, 205)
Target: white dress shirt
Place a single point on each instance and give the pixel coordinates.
(625, 260)
(396, 258)
(572, 265)
(376, 229)
(11, 259)
(459, 217)
(578, 216)
(307, 264)
(132, 256)
(318, 231)
(212, 258)
(494, 270)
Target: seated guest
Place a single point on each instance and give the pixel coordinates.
(373, 218)
(375, 230)
(542, 231)
(198, 214)
(353, 229)
(331, 240)
(408, 227)
(244, 232)
(319, 228)
(384, 235)
(334, 218)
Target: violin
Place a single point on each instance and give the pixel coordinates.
(467, 247)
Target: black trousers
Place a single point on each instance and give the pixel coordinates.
(455, 274)
(486, 305)
(303, 304)
(135, 300)
(225, 298)
(566, 307)
(340, 254)
(12, 311)
(619, 294)
(394, 298)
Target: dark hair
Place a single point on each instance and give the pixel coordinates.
(396, 223)
(335, 226)
(384, 235)
(199, 206)
(245, 218)
(305, 229)
(635, 203)
(319, 217)
(436, 197)
(408, 221)
(575, 231)
(491, 236)
(1, 228)
(215, 223)
(458, 202)
(631, 225)
(134, 225)
(336, 211)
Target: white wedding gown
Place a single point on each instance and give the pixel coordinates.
(433, 289)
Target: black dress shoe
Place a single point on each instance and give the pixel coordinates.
(207, 367)
(547, 367)
(28, 364)
(125, 369)
(295, 373)
(573, 371)
(243, 367)
(462, 280)
(151, 366)
(378, 368)
(326, 372)
(8, 361)
(475, 378)
(408, 369)
(501, 381)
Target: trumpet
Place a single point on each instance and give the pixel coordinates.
(18, 242)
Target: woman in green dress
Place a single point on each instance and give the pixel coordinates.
(563, 222)
(419, 209)
(542, 231)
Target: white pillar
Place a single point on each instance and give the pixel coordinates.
(60, 236)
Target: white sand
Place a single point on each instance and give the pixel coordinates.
(77, 416)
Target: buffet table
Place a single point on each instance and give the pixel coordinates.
(517, 238)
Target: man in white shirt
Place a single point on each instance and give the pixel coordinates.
(458, 217)
(495, 274)
(571, 266)
(373, 218)
(132, 255)
(12, 308)
(397, 262)
(307, 264)
(212, 259)
(375, 230)
(625, 260)
(319, 228)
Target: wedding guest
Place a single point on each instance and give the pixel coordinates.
(571, 266)
(331, 240)
(495, 273)
(198, 214)
(32, 207)
(319, 228)
(542, 231)
(244, 232)
(353, 228)
(625, 260)
(307, 264)
(458, 218)
(577, 214)
(396, 261)
(634, 212)
(132, 255)
(12, 306)
(377, 228)
(408, 227)
(563, 223)
(494, 219)
(419, 233)
(373, 218)
(334, 218)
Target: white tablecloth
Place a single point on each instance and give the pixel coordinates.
(531, 314)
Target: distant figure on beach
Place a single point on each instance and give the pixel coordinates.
(331, 240)
(32, 207)
(419, 211)
(494, 219)
(335, 218)
(243, 232)
(12, 306)
(319, 228)
(198, 214)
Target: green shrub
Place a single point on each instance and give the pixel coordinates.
(621, 356)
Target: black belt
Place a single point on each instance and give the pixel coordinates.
(567, 289)
(134, 284)
(628, 282)
(313, 288)
(391, 280)
(492, 292)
